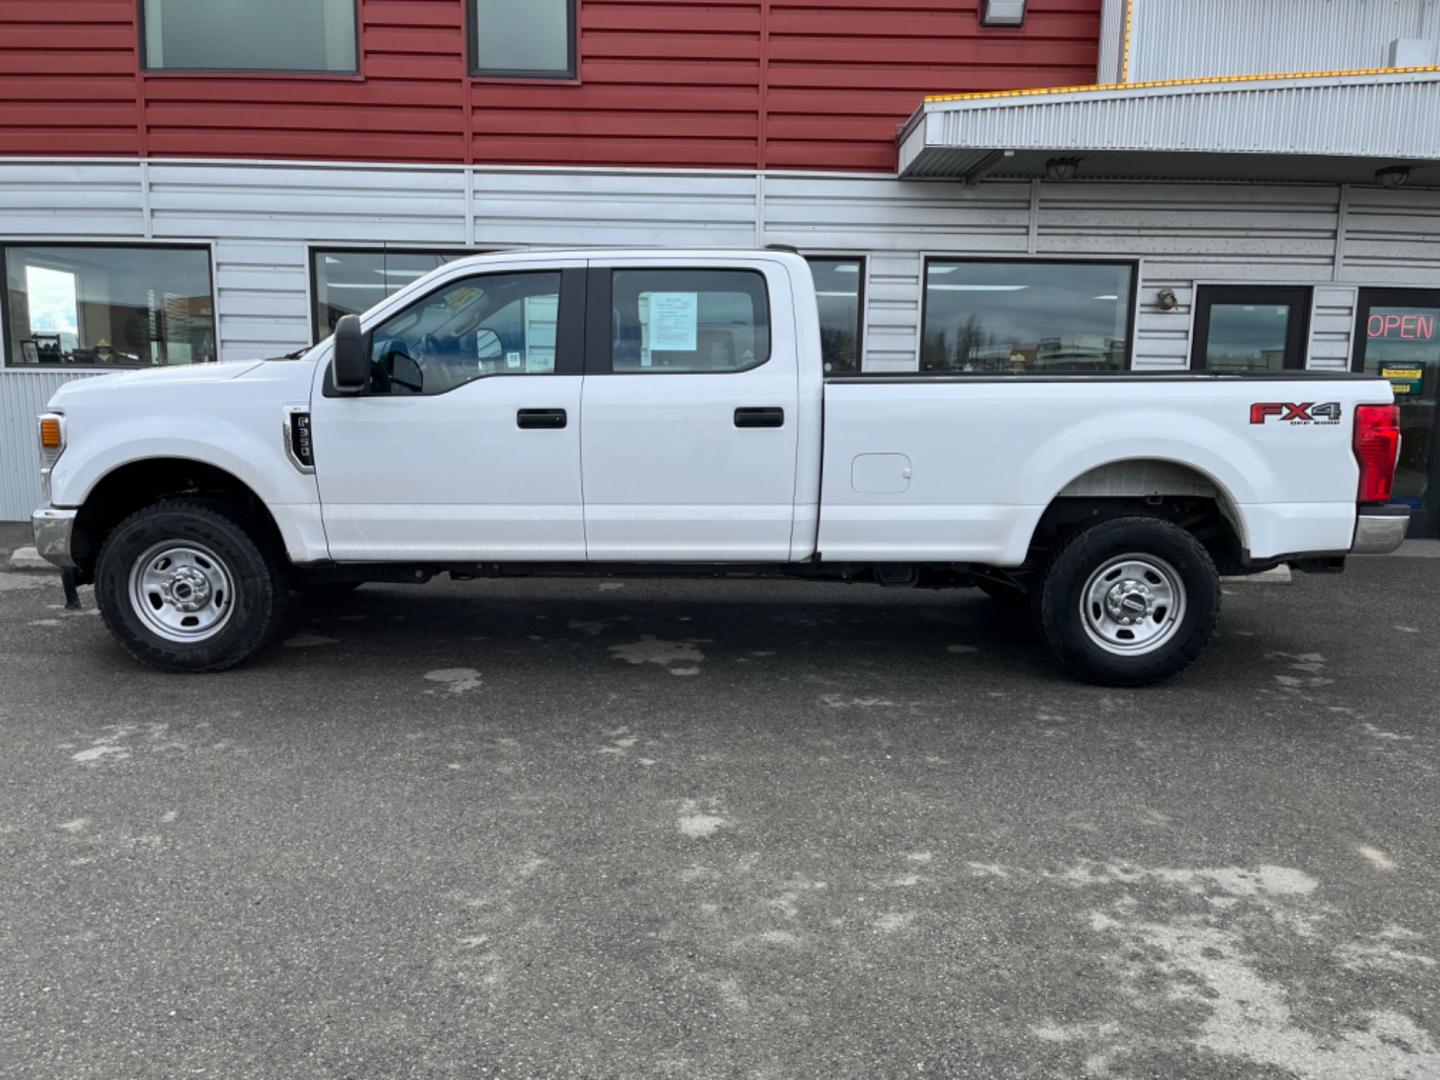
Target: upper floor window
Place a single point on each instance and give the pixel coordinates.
(249, 35)
(528, 39)
(1026, 316)
(108, 306)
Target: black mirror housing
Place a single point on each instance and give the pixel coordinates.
(350, 360)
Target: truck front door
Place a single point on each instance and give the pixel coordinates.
(466, 443)
(689, 436)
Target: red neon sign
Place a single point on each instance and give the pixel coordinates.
(1410, 327)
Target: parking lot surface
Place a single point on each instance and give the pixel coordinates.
(591, 828)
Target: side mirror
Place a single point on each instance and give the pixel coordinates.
(487, 344)
(350, 363)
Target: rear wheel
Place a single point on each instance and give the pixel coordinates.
(1129, 602)
(184, 587)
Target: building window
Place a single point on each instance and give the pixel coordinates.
(1013, 316)
(349, 281)
(530, 40)
(840, 291)
(108, 306)
(249, 35)
(1249, 328)
(689, 321)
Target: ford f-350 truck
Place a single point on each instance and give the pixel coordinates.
(662, 411)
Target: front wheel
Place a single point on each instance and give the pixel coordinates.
(184, 587)
(1129, 602)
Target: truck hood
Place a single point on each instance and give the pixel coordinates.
(156, 378)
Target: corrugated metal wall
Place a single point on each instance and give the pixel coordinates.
(262, 220)
(23, 395)
(815, 84)
(1180, 39)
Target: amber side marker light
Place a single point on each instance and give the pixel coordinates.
(50, 438)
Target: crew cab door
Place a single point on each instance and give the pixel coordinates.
(466, 443)
(690, 402)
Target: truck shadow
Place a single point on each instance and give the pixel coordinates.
(749, 629)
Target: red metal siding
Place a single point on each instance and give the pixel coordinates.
(792, 84)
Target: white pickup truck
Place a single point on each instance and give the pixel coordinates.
(662, 411)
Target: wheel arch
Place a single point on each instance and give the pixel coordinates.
(1164, 487)
(142, 482)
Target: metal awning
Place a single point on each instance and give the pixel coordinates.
(1332, 127)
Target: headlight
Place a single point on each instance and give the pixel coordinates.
(52, 445)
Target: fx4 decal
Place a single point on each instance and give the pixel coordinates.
(1306, 412)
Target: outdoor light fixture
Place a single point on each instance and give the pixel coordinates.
(1062, 168)
(1392, 177)
(1003, 13)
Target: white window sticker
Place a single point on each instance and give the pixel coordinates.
(674, 317)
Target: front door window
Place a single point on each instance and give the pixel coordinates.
(1398, 338)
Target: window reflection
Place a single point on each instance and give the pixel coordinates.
(109, 306)
(1002, 317)
(837, 292)
(350, 281)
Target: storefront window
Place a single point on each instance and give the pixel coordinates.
(1398, 338)
(108, 306)
(249, 35)
(1250, 328)
(349, 281)
(997, 316)
(839, 287)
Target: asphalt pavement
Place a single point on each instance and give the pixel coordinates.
(587, 828)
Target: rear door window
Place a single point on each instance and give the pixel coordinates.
(686, 320)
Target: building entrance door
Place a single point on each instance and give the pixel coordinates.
(1397, 336)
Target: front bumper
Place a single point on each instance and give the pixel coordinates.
(1379, 530)
(53, 529)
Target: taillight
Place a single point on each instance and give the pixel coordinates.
(1377, 445)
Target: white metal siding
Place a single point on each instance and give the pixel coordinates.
(1393, 237)
(1181, 39)
(1332, 321)
(71, 200)
(23, 396)
(261, 221)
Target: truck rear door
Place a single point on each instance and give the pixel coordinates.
(689, 410)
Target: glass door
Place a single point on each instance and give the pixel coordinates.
(1250, 328)
(1397, 336)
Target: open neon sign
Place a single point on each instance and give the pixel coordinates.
(1392, 324)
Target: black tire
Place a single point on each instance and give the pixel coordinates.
(249, 619)
(1075, 634)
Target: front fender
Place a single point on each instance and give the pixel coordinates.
(244, 446)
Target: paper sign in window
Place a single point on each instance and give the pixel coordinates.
(674, 318)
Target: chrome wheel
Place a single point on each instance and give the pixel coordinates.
(182, 591)
(1133, 604)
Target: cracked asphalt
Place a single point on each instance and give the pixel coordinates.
(586, 828)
